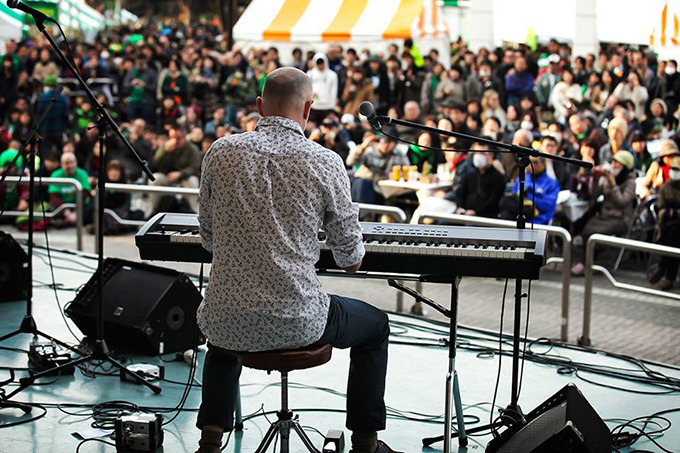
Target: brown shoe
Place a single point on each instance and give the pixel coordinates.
(666, 285)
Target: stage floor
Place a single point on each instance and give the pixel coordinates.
(415, 386)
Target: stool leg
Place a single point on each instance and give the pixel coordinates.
(305, 439)
(268, 438)
(238, 423)
(285, 425)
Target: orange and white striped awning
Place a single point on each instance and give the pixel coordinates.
(339, 20)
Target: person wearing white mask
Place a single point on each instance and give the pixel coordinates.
(669, 226)
(481, 190)
(617, 185)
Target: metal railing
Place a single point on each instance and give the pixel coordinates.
(630, 244)
(565, 259)
(78, 205)
(397, 214)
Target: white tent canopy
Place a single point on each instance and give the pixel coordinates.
(360, 23)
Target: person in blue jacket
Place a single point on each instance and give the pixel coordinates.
(547, 188)
(519, 81)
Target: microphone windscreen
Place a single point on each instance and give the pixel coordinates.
(366, 109)
(12, 3)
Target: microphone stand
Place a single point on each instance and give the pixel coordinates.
(512, 414)
(28, 324)
(100, 351)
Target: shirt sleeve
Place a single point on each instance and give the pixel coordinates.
(341, 218)
(205, 211)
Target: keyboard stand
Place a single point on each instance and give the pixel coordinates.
(452, 393)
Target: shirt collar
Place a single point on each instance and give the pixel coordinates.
(279, 121)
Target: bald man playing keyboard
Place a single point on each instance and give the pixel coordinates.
(264, 195)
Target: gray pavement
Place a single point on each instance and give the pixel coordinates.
(623, 321)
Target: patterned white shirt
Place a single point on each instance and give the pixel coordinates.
(263, 197)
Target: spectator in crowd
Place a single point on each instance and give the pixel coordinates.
(12, 197)
(669, 227)
(219, 118)
(556, 169)
(633, 90)
(9, 83)
(430, 84)
(203, 83)
(518, 81)
(547, 81)
(412, 113)
(139, 83)
(659, 170)
(523, 138)
(481, 190)
(422, 152)
(541, 192)
(177, 163)
(643, 159)
(67, 194)
(491, 107)
(57, 120)
(375, 157)
(358, 89)
(451, 89)
(615, 214)
(45, 68)
(478, 84)
(175, 84)
(565, 95)
(617, 129)
(325, 86)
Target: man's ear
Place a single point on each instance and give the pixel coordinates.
(259, 106)
(308, 108)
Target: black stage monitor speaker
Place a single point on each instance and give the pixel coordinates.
(13, 270)
(564, 423)
(147, 309)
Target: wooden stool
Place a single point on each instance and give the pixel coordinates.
(285, 361)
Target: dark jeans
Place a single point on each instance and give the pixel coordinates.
(351, 324)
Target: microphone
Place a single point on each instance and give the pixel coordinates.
(38, 16)
(366, 109)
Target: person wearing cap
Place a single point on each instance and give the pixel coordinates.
(56, 122)
(659, 170)
(615, 215)
(547, 81)
(669, 227)
(617, 129)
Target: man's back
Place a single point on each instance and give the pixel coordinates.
(264, 196)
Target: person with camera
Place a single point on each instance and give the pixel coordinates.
(669, 227)
(617, 184)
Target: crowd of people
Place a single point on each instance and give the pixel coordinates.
(174, 90)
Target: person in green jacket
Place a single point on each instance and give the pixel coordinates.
(177, 163)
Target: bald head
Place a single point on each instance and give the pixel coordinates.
(287, 92)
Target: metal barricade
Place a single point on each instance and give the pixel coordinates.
(78, 205)
(618, 242)
(397, 214)
(565, 259)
